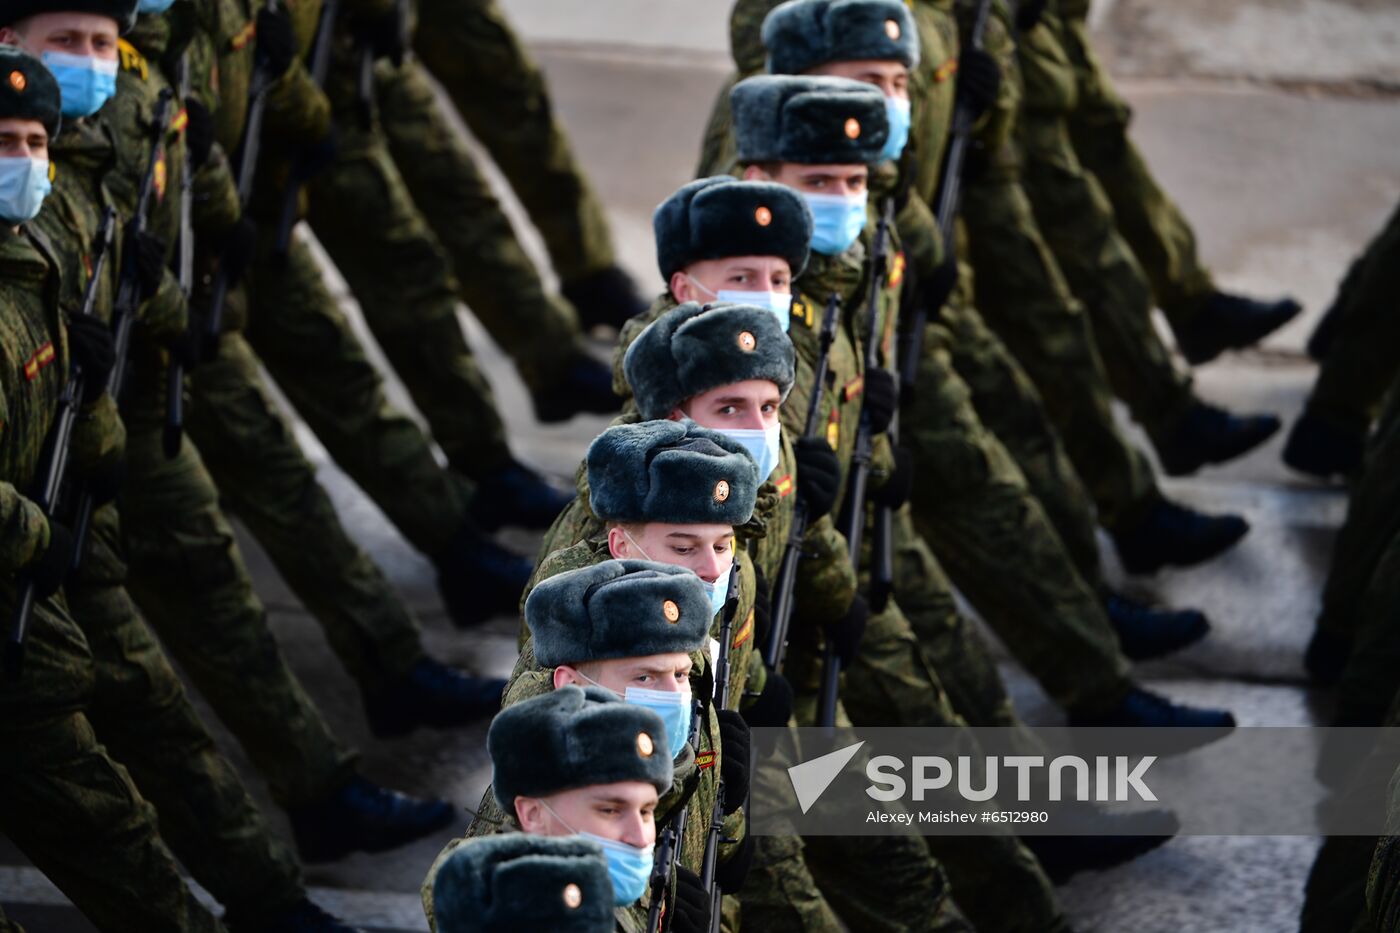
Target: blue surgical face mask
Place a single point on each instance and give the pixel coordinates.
(84, 83)
(897, 111)
(154, 6)
(777, 302)
(673, 706)
(629, 868)
(674, 709)
(718, 593)
(24, 183)
(762, 444)
(837, 219)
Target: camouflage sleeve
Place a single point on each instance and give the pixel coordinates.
(215, 206)
(297, 110)
(165, 314)
(717, 148)
(24, 531)
(630, 329)
(99, 436)
(826, 581)
(920, 237)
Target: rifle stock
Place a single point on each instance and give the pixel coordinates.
(303, 166)
(852, 521)
(128, 300)
(55, 468)
(775, 648)
(184, 268)
(721, 697)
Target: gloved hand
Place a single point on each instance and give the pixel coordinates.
(91, 342)
(773, 707)
(762, 607)
(236, 248)
(979, 80)
(150, 251)
(385, 34)
(692, 908)
(1028, 14)
(105, 480)
(734, 758)
(818, 476)
(895, 492)
(846, 632)
(935, 290)
(881, 398)
(730, 873)
(199, 131)
(277, 41)
(317, 157)
(49, 568)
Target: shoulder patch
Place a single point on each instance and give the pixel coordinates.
(802, 311)
(132, 60)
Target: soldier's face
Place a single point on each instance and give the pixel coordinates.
(703, 281)
(753, 404)
(846, 180)
(705, 550)
(669, 672)
(624, 811)
(85, 34)
(892, 78)
(23, 139)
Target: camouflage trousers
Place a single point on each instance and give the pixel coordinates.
(973, 506)
(1383, 883)
(364, 217)
(1160, 236)
(1364, 359)
(317, 360)
(494, 276)
(1077, 220)
(72, 810)
(144, 719)
(499, 90)
(1353, 598)
(1024, 297)
(1336, 894)
(264, 478)
(188, 577)
(893, 682)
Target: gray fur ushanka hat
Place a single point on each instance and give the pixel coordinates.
(803, 34)
(514, 881)
(808, 120)
(720, 217)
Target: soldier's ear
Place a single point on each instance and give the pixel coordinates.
(618, 545)
(530, 812)
(564, 676)
(756, 173)
(681, 289)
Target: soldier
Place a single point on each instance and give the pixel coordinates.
(877, 43)
(1355, 344)
(69, 807)
(1079, 223)
(402, 170)
(1206, 320)
(1106, 695)
(501, 93)
(520, 881)
(289, 316)
(263, 476)
(587, 628)
(170, 507)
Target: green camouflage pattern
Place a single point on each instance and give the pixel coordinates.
(470, 48)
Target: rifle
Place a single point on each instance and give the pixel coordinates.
(304, 166)
(946, 202)
(852, 521)
(247, 160)
(128, 300)
(775, 648)
(668, 845)
(716, 836)
(184, 269)
(55, 467)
